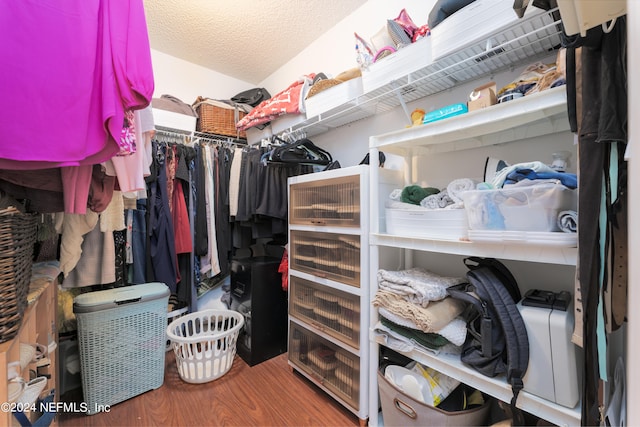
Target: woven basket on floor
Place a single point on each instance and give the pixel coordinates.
(218, 118)
(17, 238)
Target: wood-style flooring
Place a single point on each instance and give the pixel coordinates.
(267, 394)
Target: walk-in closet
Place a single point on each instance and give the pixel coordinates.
(341, 213)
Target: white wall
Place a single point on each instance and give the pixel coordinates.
(187, 81)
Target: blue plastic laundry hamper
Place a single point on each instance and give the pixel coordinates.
(122, 342)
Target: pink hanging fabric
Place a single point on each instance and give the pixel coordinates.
(68, 72)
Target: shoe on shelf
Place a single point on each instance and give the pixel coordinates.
(32, 391)
(16, 388)
(30, 353)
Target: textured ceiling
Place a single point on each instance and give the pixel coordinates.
(245, 39)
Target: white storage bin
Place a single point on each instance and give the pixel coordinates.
(405, 61)
(286, 122)
(441, 224)
(333, 97)
(173, 120)
(476, 22)
(255, 135)
(519, 208)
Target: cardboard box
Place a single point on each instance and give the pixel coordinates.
(482, 97)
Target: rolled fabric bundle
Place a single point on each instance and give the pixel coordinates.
(437, 201)
(431, 202)
(568, 221)
(396, 194)
(414, 193)
(458, 186)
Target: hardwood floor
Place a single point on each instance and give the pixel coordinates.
(267, 394)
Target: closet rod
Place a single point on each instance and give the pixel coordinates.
(284, 137)
(196, 137)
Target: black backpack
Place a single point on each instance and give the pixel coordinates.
(252, 97)
(497, 341)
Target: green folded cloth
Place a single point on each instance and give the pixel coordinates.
(414, 193)
(426, 339)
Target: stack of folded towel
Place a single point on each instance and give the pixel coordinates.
(434, 198)
(414, 309)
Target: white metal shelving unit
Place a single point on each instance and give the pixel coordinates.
(539, 114)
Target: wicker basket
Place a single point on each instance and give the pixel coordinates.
(218, 118)
(17, 238)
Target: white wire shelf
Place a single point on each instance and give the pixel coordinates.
(529, 39)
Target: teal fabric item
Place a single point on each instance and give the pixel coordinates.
(604, 224)
(601, 335)
(414, 193)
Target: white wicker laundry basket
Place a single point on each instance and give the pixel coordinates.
(204, 343)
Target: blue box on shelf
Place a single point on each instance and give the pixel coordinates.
(444, 112)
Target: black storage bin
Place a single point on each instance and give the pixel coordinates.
(256, 292)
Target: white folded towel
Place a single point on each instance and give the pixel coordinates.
(459, 186)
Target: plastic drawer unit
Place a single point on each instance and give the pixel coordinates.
(329, 310)
(327, 255)
(122, 342)
(334, 201)
(324, 362)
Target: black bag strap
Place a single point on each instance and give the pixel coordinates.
(503, 273)
(490, 288)
(465, 292)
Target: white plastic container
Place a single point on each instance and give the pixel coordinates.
(333, 97)
(173, 120)
(519, 208)
(204, 343)
(476, 23)
(286, 122)
(439, 224)
(405, 61)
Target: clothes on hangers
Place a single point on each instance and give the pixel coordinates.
(601, 125)
(132, 169)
